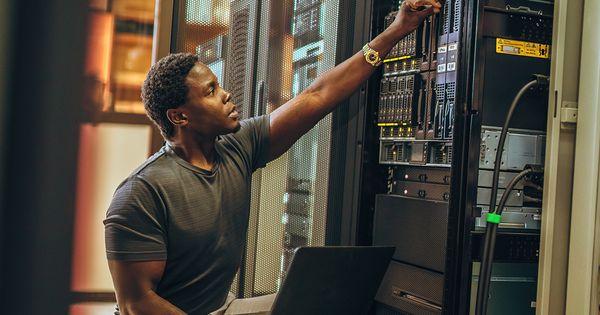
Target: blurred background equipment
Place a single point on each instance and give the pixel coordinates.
(41, 82)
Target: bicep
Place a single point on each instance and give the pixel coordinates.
(134, 228)
(133, 280)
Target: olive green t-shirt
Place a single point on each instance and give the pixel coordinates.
(195, 219)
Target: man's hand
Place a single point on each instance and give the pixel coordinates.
(413, 12)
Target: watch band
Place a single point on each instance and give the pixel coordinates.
(371, 55)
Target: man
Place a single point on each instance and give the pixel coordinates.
(176, 228)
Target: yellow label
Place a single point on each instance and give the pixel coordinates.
(396, 59)
(387, 124)
(519, 48)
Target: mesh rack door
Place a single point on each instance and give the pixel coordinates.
(265, 53)
(223, 33)
(297, 43)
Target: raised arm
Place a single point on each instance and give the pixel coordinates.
(135, 283)
(293, 119)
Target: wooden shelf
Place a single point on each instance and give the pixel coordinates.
(200, 33)
(118, 118)
(133, 39)
(139, 10)
(129, 79)
(130, 107)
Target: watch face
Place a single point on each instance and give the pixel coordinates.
(371, 55)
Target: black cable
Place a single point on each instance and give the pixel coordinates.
(485, 271)
(490, 233)
(509, 188)
(483, 286)
(500, 148)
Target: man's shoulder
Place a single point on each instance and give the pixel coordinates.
(249, 128)
(157, 166)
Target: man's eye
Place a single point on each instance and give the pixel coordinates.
(212, 91)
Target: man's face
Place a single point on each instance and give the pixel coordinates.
(208, 107)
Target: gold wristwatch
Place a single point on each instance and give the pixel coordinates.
(371, 55)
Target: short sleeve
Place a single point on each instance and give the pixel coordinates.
(134, 228)
(253, 140)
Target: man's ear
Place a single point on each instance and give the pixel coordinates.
(177, 117)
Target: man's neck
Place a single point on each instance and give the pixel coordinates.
(194, 149)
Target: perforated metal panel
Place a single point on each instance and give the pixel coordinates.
(239, 46)
(199, 22)
(239, 75)
(290, 203)
(265, 53)
(222, 33)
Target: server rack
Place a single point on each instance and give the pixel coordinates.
(437, 107)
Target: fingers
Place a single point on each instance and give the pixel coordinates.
(424, 5)
(428, 11)
(436, 5)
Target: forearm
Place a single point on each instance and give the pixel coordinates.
(150, 304)
(297, 116)
(301, 113)
(340, 82)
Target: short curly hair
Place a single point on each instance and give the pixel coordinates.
(165, 88)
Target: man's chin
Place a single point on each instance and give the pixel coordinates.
(231, 128)
(237, 127)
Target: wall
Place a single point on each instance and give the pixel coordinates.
(107, 155)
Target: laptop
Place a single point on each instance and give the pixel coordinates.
(332, 280)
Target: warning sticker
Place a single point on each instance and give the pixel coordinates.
(519, 48)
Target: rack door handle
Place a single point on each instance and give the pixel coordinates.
(260, 98)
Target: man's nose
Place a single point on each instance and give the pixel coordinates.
(227, 97)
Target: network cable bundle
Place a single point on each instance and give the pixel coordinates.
(530, 173)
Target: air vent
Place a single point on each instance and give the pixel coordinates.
(401, 84)
(437, 155)
(390, 153)
(384, 86)
(410, 83)
(393, 84)
(236, 73)
(451, 90)
(457, 16)
(400, 152)
(440, 94)
(446, 18)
